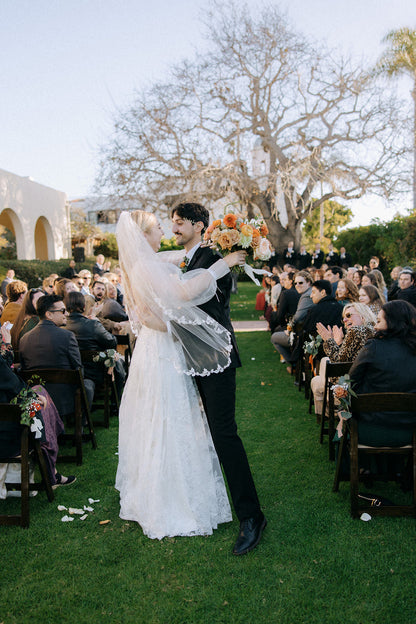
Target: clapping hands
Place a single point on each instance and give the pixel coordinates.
(327, 332)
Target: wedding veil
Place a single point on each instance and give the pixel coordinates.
(158, 295)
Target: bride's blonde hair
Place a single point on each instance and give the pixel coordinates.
(145, 220)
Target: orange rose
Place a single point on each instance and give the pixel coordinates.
(216, 223)
(230, 220)
(215, 235)
(246, 229)
(340, 392)
(264, 230)
(225, 240)
(256, 233)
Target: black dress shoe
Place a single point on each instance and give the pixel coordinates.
(250, 534)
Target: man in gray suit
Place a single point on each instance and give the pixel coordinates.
(49, 345)
(281, 339)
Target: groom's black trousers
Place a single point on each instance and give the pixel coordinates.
(218, 396)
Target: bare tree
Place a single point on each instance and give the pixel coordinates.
(321, 127)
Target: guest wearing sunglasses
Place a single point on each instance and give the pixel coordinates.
(282, 339)
(49, 345)
(359, 323)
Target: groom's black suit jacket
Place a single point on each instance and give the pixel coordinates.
(219, 306)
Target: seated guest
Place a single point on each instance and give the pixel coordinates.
(370, 296)
(369, 279)
(326, 309)
(49, 345)
(15, 292)
(86, 277)
(357, 277)
(63, 286)
(98, 268)
(27, 318)
(47, 286)
(380, 283)
(106, 309)
(407, 288)
(333, 274)
(388, 364)
(10, 386)
(347, 291)
(394, 286)
(287, 304)
(281, 339)
(91, 335)
(374, 262)
(9, 278)
(359, 324)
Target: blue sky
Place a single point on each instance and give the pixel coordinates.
(66, 65)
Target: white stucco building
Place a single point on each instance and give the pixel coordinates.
(37, 215)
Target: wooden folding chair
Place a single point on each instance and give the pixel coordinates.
(11, 414)
(376, 402)
(123, 340)
(108, 390)
(73, 378)
(333, 371)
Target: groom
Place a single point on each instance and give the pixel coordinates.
(218, 390)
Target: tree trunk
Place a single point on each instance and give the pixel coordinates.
(280, 236)
(414, 145)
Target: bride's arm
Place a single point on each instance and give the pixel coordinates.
(174, 256)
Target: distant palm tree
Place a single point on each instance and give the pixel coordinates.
(401, 59)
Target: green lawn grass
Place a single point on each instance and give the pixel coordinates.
(315, 563)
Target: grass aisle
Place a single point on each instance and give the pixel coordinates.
(314, 565)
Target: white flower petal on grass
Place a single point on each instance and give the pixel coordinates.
(93, 500)
(62, 508)
(66, 519)
(74, 510)
(84, 516)
(365, 517)
(253, 358)
(88, 508)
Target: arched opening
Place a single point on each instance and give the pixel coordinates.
(43, 239)
(14, 233)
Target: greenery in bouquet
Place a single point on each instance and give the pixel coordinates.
(312, 347)
(233, 233)
(29, 404)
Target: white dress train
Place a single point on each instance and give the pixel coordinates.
(169, 476)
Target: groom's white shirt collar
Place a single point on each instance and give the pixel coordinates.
(190, 254)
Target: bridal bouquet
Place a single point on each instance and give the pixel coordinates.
(233, 233)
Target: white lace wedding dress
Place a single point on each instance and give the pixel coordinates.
(169, 476)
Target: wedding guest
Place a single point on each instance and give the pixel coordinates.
(359, 325)
(374, 262)
(347, 291)
(369, 279)
(49, 345)
(281, 339)
(9, 278)
(287, 304)
(47, 286)
(394, 285)
(331, 258)
(63, 286)
(15, 292)
(370, 296)
(333, 274)
(357, 277)
(380, 283)
(388, 364)
(407, 290)
(317, 256)
(92, 336)
(345, 259)
(87, 277)
(303, 259)
(325, 309)
(70, 271)
(27, 318)
(10, 387)
(98, 268)
(289, 254)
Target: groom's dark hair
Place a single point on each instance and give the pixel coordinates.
(192, 212)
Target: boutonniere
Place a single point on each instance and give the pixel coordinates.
(184, 264)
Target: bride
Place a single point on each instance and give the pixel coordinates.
(169, 476)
